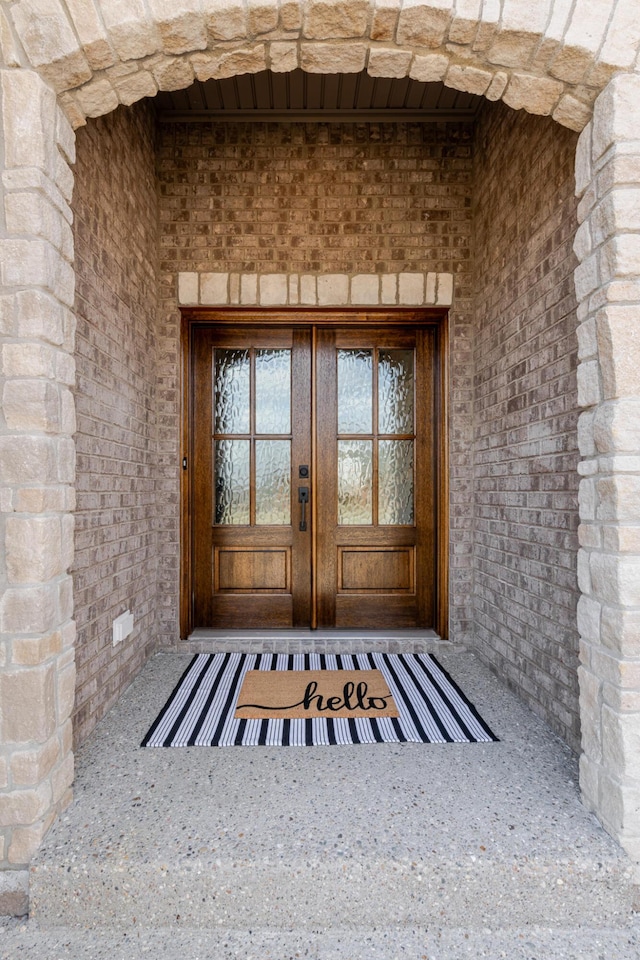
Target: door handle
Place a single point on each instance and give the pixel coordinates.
(303, 500)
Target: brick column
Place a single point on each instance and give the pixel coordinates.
(608, 288)
(37, 462)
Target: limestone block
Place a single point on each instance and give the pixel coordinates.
(622, 39)
(620, 630)
(249, 60)
(97, 98)
(273, 289)
(335, 19)
(533, 94)
(333, 57)
(28, 360)
(572, 113)
(622, 538)
(617, 426)
(262, 17)
(33, 651)
(28, 706)
(308, 290)
(488, 25)
(468, 79)
(587, 277)
(616, 114)
(136, 87)
(385, 19)
(283, 57)
(513, 48)
(423, 24)
(50, 42)
(33, 548)
(25, 841)
(464, 24)
(589, 781)
(225, 19)
(66, 692)
(32, 213)
(411, 288)
(62, 778)
(584, 573)
(589, 613)
(616, 579)
(333, 289)
(430, 291)
(25, 459)
(249, 288)
(388, 63)
(31, 405)
(214, 288)
(294, 291)
(8, 48)
(583, 243)
(618, 337)
(429, 68)
(497, 86)
(14, 893)
(65, 137)
(188, 289)
(589, 386)
(619, 498)
(174, 73)
(131, 33)
(444, 296)
(621, 743)
(587, 499)
(365, 288)
(29, 767)
(290, 15)
(619, 210)
(590, 707)
(584, 170)
(181, 27)
(28, 116)
(234, 288)
(72, 111)
(389, 293)
(92, 34)
(65, 368)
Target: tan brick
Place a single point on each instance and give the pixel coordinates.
(28, 699)
(30, 767)
(33, 651)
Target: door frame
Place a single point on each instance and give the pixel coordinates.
(438, 318)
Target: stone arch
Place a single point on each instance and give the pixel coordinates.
(548, 58)
(551, 58)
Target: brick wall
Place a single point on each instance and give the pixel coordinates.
(525, 587)
(115, 208)
(331, 198)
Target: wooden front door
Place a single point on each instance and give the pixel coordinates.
(313, 476)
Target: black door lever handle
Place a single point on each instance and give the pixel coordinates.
(303, 500)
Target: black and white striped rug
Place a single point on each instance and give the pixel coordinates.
(431, 706)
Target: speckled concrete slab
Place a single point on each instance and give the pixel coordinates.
(398, 837)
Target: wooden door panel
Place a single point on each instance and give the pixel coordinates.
(377, 569)
(252, 570)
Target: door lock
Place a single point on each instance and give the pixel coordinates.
(303, 471)
(303, 500)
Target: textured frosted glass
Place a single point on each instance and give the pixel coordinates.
(232, 377)
(354, 481)
(273, 481)
(273, 391)
(395, 391)
(395, 481)
(232, 481)
(355, 391)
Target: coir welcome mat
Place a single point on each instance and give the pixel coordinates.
(227, 699)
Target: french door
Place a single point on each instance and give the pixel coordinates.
(313, 475)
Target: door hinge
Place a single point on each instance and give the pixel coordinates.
(184, 463)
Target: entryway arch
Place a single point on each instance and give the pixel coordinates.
(545, 58)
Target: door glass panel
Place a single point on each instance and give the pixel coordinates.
(355, 481)
(355, 391)
(232, 376)
(232, 481)
(395, 482)
(273, 391)
(273, 481)
(395, 391)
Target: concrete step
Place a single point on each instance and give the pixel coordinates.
(331, 840)
(27, 941)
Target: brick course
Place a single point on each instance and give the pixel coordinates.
(526, 411)
(115, 566)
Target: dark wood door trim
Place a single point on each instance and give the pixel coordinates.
(317, 317)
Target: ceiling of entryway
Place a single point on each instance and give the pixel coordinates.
(312, 96)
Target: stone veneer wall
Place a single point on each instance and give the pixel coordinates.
(327, 199)
(115, 229)
(526, 411)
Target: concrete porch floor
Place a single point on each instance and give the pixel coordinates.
(382, 851)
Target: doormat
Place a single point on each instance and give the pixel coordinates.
(209, 705)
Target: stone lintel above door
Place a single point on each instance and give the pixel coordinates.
(315, 290)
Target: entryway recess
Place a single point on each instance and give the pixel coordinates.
(315, 482)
